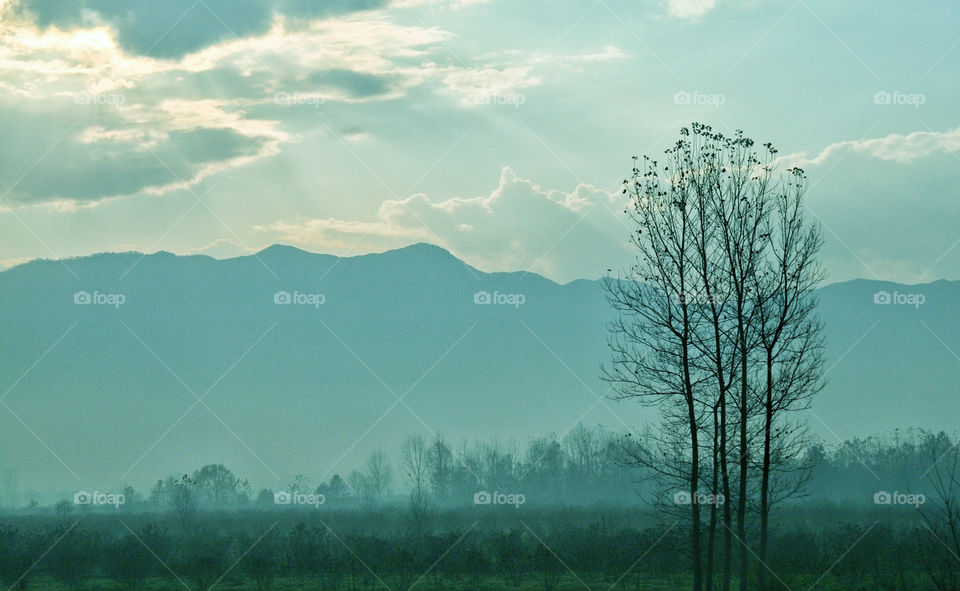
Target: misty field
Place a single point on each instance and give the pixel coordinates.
(205, 530)
(597, 548)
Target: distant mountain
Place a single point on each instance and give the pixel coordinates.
(299, 359)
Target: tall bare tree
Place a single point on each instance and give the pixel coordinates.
(653, 336)
(716, 324)
(789, 333)
(939, 531)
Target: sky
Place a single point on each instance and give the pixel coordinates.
(499, 130)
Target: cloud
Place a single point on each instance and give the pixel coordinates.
(89, 152)
(607, 54)
(888, 205)
(137, 124)
(224, 248)
(134, 118)
(172, 29)
(348, 58)
(519, 225)
(473, 86)
(894, 147)
(455, 4)
(690, 8)
(356, 84)
(311, 9)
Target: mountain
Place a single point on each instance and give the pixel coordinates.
(299, 359)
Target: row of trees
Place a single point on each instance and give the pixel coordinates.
(586, 466)
(858, 468)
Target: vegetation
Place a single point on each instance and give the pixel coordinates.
(837, 537)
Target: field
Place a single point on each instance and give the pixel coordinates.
(469, 548)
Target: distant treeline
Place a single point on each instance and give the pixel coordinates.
(905, 461)
(404, 524)
(585, 466)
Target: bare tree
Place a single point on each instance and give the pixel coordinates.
(360, 486)
(712, 295)
(414, 458)
(789, 332)
(441, 468)
(380, 474)
(716, 325)
(939, 531)
(741, 182)
(653, 337)
(217, 486)
(582, 448)
(183, 499)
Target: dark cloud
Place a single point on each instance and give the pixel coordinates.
(86, 172)
(163, 29)
(172, 28)
(324, 8)
(356, 84)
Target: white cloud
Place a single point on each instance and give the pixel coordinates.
(895, 147)
(888, 205)
(519, 225)
(345, 59)
(474, 86)
(690, 8)
(607, 54)
(224, 248)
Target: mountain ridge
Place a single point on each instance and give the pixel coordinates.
(307, 368)
(279, 248)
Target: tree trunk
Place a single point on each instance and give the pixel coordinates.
(694, 505)
(694, 447)
(744, 454)
(727, 515)
(711, 536)
(765, 476)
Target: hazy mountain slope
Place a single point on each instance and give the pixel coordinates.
(893, 365)
(304, 388)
